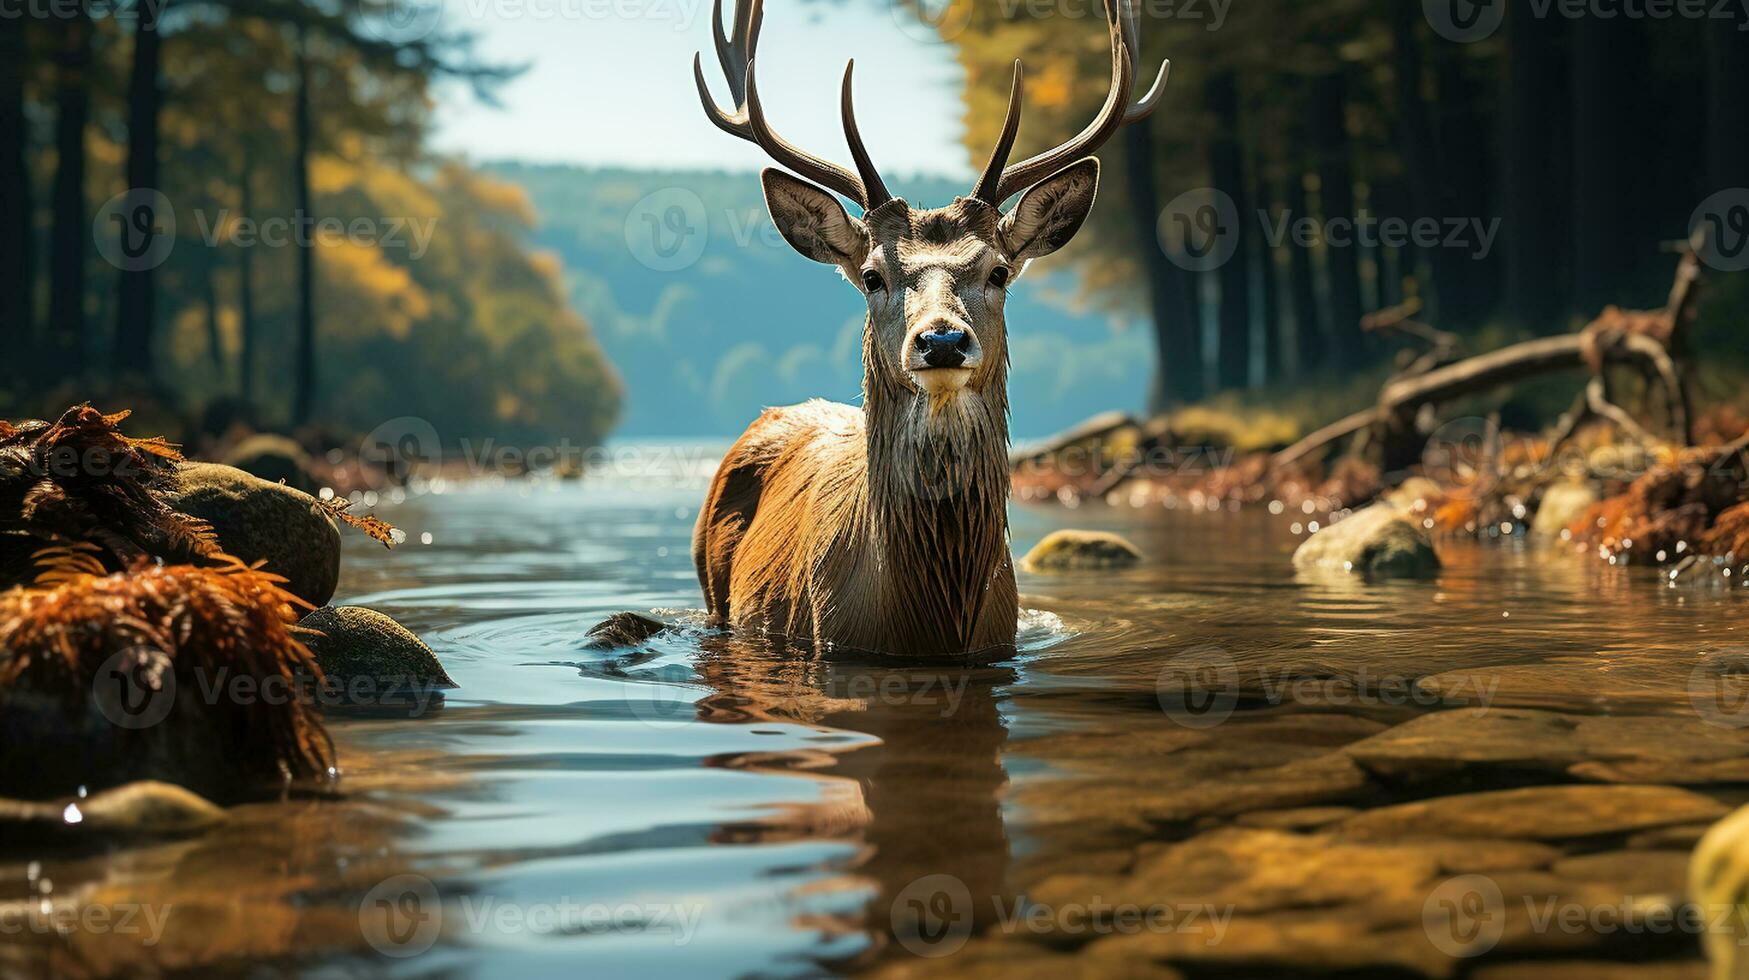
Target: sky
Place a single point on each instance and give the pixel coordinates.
(609, 82)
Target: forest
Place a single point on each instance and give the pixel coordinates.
(292, 255)
(1552, 161)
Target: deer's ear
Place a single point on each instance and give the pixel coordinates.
(1050, 212)
(813, 221)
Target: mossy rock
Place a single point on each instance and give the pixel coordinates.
(368, 658)
(1562, 504)
(258, 520)
(147, 807)
(1072, 551)
(1377, 541)
(274, 458)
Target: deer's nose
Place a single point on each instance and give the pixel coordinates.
(944, 345)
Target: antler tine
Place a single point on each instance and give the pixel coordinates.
(1117, 111)
(794, 157)
(875, 191)
(736, 51)
(990, 183)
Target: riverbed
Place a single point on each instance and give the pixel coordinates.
(1195, 767)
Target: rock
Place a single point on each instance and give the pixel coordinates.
(144, 807)
(1315, 782)
(274, 458)
(1300, 818)
(1562, 504)
(1638, 873)
(368, 658)
(1536, 813)
(1718, 880)
(1682, 837)
(1596, 748)
(257, 520)
(1593, 970)
(1378, 540)
(1437, 744)
(1415, 495)
(1071, 551)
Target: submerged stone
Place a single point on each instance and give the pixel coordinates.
(368, 657)
(1070, 551)
(1537, 813)
(1379, 541)
(144, 807)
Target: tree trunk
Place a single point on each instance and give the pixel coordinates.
(1607, 73)
(1336, 175)
(209, 298)
(1468, 295)
(1227, 170)
(1535, 195)
(1415, 141)
(1268, 277)
(17, 224)
(1727, 105)
(246, 325)
(136, 314)
(71, 228)
(1178, 371)
(304, 363)
(1309, 343)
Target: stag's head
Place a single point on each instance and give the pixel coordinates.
(935, 279)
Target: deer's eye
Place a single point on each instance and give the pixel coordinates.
(872, 281)
(999, 277)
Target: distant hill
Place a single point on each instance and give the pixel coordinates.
(710, 317)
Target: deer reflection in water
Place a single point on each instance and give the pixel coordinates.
(925, 801)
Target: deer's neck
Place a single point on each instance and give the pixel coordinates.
(938, 494)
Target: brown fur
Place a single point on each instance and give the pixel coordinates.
(883, 528)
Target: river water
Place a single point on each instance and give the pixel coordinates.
(1169, 741)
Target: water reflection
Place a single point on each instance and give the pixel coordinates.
(784, 805)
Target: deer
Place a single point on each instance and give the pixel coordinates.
(884, 528)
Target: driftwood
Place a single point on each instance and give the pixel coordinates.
(1098, 427)
(1649, 340)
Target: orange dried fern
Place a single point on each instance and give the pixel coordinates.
(79, 479)
(195, 632)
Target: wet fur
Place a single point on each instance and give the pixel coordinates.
(882, 528)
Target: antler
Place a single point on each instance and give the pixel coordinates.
(735, 53)
(1000, 181)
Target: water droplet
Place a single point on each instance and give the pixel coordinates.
(72, 815)
(425, 537)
